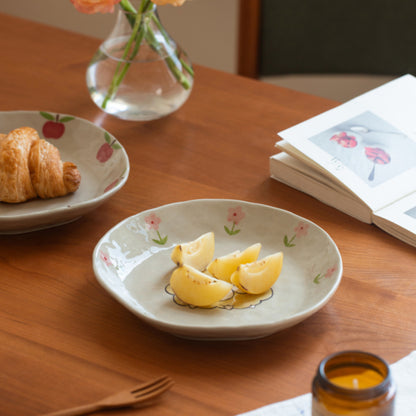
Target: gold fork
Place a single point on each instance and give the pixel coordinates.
(124, 398)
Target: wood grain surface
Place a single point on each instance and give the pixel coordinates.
(64, 341)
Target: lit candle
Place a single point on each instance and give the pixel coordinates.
(356, 377)
(353, 383)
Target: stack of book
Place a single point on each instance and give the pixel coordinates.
(359, 157)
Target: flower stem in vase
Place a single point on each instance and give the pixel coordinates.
(136, 36)
(185, 82)
(139, 72)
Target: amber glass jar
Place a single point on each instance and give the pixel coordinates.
(353, 383)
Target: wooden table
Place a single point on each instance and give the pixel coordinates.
(64, 341)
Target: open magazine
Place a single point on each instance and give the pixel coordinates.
(359, 157)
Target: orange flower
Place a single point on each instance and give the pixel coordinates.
(172, 2)
(95, 6)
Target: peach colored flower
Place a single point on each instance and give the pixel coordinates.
(95, 6)
(172, 2)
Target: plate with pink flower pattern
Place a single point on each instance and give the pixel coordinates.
(132, 261)
(100, 158)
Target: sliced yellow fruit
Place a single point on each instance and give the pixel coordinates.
(223, 267)
(197, 253)
(259, 276)
(196, 288)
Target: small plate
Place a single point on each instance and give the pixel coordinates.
(100, 158)
(132, 262)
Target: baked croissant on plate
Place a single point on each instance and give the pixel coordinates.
(31, 167)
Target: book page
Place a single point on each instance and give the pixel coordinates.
(399, 219)
(309, 171)
(298, 175)
(368, 143)
(310, 167)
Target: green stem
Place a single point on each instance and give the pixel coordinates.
(137, 37)
(174, 67)
(130, 11)
(166, 36)
(188, 69)
(139, 31)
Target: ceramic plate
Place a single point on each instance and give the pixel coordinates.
(101, 160)
(132, 262)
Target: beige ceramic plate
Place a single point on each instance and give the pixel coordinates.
(132, 262)
(101, 160)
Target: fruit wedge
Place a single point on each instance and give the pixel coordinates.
(223, 267)
(197, 253)
(259, 276)
(196, 288)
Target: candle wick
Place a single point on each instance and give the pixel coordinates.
(355, 383)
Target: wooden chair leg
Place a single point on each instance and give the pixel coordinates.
(248, 38)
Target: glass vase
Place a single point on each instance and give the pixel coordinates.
(139, 72)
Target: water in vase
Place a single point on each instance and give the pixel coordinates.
(149, 88)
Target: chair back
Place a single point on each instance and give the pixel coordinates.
(326, 36)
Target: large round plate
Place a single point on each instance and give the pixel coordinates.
(100, 158)
(132, 262)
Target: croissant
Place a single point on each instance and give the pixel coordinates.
(31, 167)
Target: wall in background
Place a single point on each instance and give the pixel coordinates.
(206, 29)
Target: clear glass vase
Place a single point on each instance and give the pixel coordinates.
(139, 72)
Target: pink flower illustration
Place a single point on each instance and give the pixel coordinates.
(330, 271)
(235, 215)
(105, 259)
(327, 274)
(300, 231)
(152, 223)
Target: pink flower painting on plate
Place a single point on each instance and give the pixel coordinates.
(235, 215)
(105, 259)
(301, 230)
(328, 274)
(152, 223)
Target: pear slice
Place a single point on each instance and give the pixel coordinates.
(259, 276)
(197, 253)
(223, 267)
(196, 288)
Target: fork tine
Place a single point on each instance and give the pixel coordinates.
(153, 392)
(151, 386)
(140, 394)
